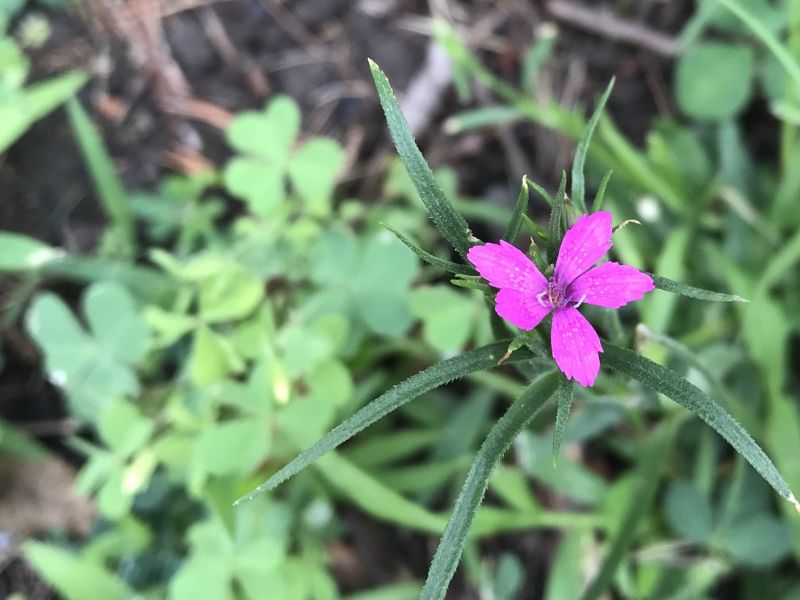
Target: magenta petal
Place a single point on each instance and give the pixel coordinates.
(610, 285)
(575, 346)
(505, 266)
(520, 308)
(583, 245)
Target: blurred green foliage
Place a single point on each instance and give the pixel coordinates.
(238, 338)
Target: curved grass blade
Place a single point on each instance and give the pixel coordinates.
(600, 196)
(497, 442)
(429, 258)
(578, 163)
(665, 381)
(668, 285)
(451, 224)
(565, 394)
(416, 385)
(555, 232)
(648, 470)
(515, 224)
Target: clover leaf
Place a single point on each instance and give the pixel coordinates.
(448, 317)
(368, 279)
(97, 365)
(714, 81)
(265, 141)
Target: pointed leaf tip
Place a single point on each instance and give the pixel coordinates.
(794, 502)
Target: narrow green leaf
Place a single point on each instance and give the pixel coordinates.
(104, 175)
(390, 448)
(542, 192)
(487, 116)
(515, 224)
(19, 111)
(416, 385)
(600, 197)
(665, 381)
(648, 473)
(565, 394)
(375, 498)
(676, 287)
(556, 217)
(578, 181)
(20, 253)
(451, 224)
(144, 281)
(429, 258)
(537, 55)
(469, 499)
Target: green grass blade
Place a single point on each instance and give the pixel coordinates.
(429, 258)
(600, 196)
(512, 231)
(143, 281)
(497, 442)
(566, 392)
(451, 224)
(665, 381)
(578, 181)
(542, 192)
(556, 217)
(21, 253)
(536, 56)
(488, 116)
(676, 287)
(104, 176)
(416, 385)
(648, 472)
(374, 497)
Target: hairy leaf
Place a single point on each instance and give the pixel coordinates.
(668, 285)
(556, 217)
(566, 391)
(497, 442)
(429, 258)
(578, 181)
(451, 225)
(665, 381)
(515, 224)
(416, 385)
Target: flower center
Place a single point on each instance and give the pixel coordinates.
(556, 296)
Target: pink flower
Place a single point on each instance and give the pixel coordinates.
(525, 296)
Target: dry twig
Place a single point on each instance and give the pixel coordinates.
(613, 27)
